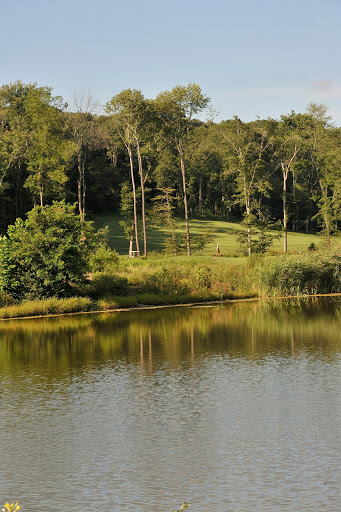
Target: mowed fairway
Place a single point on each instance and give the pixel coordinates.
(223, 233)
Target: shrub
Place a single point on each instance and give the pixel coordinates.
(102, 284)
(158, 280)
(104, 259)
(6, 300)
(260, 239)
(42, 256)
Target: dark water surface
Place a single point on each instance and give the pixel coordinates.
(231, 408)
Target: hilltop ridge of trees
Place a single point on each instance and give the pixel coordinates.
(155, 156)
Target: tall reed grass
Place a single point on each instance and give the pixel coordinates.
(303, 274)
(51, 306)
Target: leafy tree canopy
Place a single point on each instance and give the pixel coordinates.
(43, 255)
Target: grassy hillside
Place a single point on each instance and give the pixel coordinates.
(223, 234)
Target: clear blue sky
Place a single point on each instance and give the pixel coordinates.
(252, 57)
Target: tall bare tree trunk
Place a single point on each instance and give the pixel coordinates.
(248, 212)
(134, 196)
(3, 176)
(183, 172)
(249, 240)
(41, 197)
(83, 191)
(326, 218)
(200, 188)
(139, 159)
(79, 192)
(81, 187)
(131, 240)
(285, 214)
(285, 171)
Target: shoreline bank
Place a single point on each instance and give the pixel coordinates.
(146, 307)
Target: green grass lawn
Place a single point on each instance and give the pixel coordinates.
(223, 233)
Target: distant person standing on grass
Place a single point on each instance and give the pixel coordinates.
(218, 251)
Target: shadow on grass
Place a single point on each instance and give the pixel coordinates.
(118, 240)
(223, 232)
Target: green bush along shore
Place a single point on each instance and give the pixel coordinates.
(116, 282)
(302, 274)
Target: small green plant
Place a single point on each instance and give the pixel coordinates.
(260, 240)
(103, 283)
(104, 259)
(12, 507)
(204, 278)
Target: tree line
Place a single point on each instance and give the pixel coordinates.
(164, 157)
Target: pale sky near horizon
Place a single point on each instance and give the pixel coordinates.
(253, 58)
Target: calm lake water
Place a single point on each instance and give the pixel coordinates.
(231, 408)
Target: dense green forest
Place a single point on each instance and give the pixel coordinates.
(165, 157)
